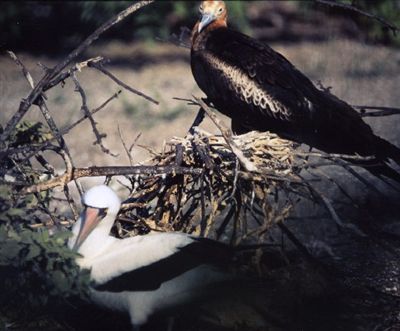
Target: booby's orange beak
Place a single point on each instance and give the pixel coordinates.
(90, 218)
(206, 19)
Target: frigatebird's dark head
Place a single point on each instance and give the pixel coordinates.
(212, 12)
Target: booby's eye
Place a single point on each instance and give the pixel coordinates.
(201, 9)
(103, 212)
(220, 10)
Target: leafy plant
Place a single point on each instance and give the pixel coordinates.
(37, 269)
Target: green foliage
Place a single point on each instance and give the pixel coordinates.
(29, 133)
(37, 269)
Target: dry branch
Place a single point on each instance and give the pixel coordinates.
(51, 74)
(86, 111)
(100, 67)
(394, 28)
(227, 134)
(75, 173)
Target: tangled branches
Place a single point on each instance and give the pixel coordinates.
(222, 199)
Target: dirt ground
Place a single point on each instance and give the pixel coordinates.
(358, 73)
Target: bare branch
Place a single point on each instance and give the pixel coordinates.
(226, 133)
(38, 90)
(26, 73)
(77, 67)
(31, 150)
(394, 28)
(127, 151)
(100, 67)
(73, 174)
(84, 107)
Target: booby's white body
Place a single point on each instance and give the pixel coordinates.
(111, 259)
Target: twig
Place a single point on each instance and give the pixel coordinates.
(32, 150)
(336, 156)
(77, 67)
(26, 73)
(53, 127)
(335, 216)
(76, 173)
(248, 165)
(179, 41)
(100, 67)
(42, 105)
(92, 112)
(85, 109)
(296, 242)
(135, 142)
(394, 28)
(128, 152)
(38, 90)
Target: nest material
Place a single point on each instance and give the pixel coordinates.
(222, 200)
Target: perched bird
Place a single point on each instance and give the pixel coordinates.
(143, 275)
(259, 89)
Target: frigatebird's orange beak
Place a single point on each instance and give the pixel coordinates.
(89, 220)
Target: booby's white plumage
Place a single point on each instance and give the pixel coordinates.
(144, 274)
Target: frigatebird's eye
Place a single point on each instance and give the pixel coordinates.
(201, 9)
(220, 10)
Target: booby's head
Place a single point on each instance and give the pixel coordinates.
(101, 205)
(212, 12)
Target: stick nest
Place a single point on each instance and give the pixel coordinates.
(222, 199)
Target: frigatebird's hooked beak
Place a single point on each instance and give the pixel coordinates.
(206, 19)
(89, 220)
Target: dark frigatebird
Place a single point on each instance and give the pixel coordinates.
(261, 90)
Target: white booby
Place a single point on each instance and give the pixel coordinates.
(147, 274)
